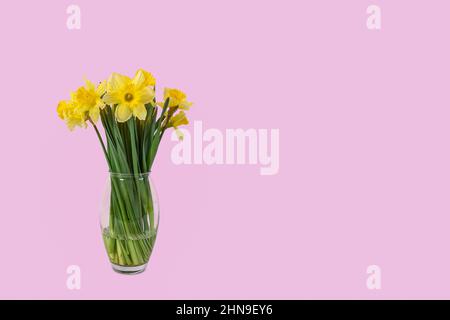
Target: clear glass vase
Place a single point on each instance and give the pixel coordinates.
(129, 221)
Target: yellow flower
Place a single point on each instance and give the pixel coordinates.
(69, 112)
(76, 119)
(178, 120)
(177, 98)
(130, 95)
(149, 79)
(88, 99)
(63, 109)
(179, 134)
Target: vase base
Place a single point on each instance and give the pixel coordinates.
(128, 270)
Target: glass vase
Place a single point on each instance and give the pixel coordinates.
(129, 221)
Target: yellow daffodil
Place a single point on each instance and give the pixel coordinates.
(177, 98)
(130, 95)
(178, 120)
(76, 119)
(88, 99)
(149, 79)
(63, 109)
(71, 114)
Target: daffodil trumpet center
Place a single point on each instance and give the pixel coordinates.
(128, 97)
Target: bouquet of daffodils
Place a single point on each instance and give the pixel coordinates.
(134, 123)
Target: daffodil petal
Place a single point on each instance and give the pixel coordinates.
(123, 112)
(61, 109)
(179, 134)
(100, 104)
(140, 111)
(146, 95)
(116, 82)
(111, 98)
(75, 119)
(94, 114)
(149, 79)
(178, 120)
(89, 85)
(101, 89)
(185, 105)
(139, 79)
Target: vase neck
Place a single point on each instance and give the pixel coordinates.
(129, 175)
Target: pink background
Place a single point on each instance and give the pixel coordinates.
(364, 148)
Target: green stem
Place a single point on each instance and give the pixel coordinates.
(101, 142)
